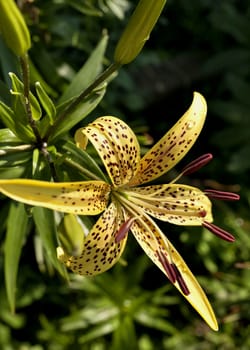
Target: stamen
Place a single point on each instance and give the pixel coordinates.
(197, 164)
(226, 196)
(180, 280)
(180, 209)
(123, 230)
(218, 231)
(167, 266)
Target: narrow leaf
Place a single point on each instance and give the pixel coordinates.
(87, 73)
(79, 113)
(20, 129)
(45, 225)
(82, 158)
(17, 226)
(8, 137)
(18, 92)
(46, 102)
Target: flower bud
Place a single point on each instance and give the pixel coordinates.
(71, 235)
(138, 30)
(13, 28)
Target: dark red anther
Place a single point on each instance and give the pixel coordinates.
(223, 234)
(167, 266)
(180, 280)
(197, 164)
(226, 196)
(123, 230)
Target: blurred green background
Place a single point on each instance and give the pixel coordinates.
(202, 46)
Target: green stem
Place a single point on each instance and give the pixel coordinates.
(26, 84)
(50, 162)
(42, 145)
(100, 79)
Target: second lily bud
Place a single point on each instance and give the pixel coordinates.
(13, 28)
(138, 30)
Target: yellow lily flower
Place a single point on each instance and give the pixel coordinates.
(128, 206)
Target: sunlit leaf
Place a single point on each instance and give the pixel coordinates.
(17, 91)
(46, 102)
(62, 125)
(87, 73)
(99, 331)
(20, 129)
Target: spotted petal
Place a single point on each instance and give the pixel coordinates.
(177, 204)
(83, 198)
(100, 251)
(116, 144)
(173, 146)
(153, 242)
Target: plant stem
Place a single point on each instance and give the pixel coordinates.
(100, 79)
(41, 145)
(26, 84)
(51, 164)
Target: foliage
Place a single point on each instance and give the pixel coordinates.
(204, 46)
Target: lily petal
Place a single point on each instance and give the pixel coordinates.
(174, 203)
(116, 144)
(173, 146)
(83, 198)
(153, 242)
(100, 250)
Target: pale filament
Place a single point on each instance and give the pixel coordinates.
(144, 203)
(134, 210)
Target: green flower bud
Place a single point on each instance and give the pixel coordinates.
(71, 235)
(138, 30)
(13, 28)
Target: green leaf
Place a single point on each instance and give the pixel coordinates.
(12, 173)
(152, 316)
(19, 99)
(99, 331)
(14, 155)
(62, 125)
(15, 159)
(45, 225)
(87, 73)
(82, 158)
(8, 137)
(85, 8)
(46, 102)
(35, 162)
(36, 76)
(20, 129)
(124, 337)
(17, 227)
(7, 116)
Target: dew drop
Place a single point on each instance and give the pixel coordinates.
(190, 124)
